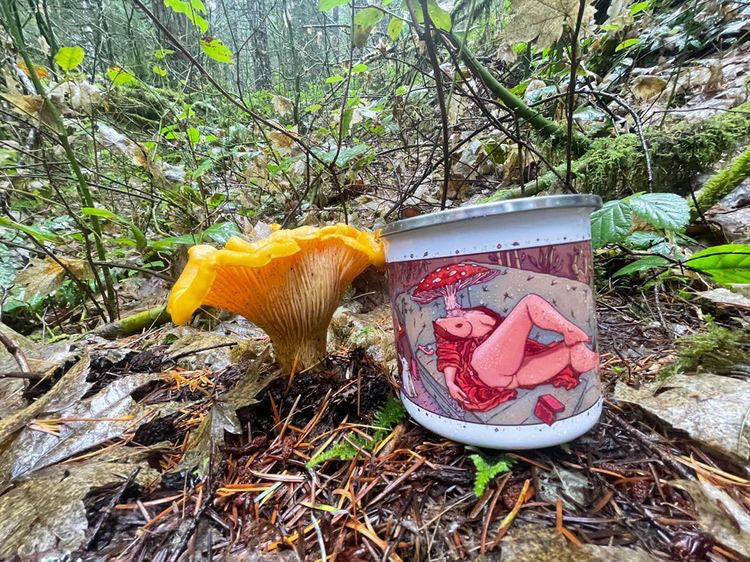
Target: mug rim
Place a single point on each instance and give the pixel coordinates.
(491, 209)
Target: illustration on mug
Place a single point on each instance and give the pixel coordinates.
(512, 357)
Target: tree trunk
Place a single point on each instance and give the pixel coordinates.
(259, 40)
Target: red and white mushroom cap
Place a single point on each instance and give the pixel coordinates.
(451, 279)
(450, 275)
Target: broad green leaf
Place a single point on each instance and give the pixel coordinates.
(727, 264)
(35, 233)
(139, 236)
(170, 242)
(221, 232)
(121, 77)
(156, 69)
(69, 58)
(369, 17)
(643, 264)
(441, 18)
(203, 167)
(162, 53)
(638, 7)
(401, 90)
(346, 121)
(328, 5)
(102, 213)
(364, 21)
(611, 27)
(313, 108)
(627, 44)
(335, 79)
(359, 68)
(217, 50)
(395, 27)
(345, 155)
(666, 211)
(611, 223)
(191, 11)
(194, 135)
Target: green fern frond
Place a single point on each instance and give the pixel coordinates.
(391, 414)
(486, 472)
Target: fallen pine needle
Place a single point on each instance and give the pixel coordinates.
(508, 519)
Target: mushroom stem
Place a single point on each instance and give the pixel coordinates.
(295, 354)
(451, 300)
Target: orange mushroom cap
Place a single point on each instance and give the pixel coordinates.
(289, 284)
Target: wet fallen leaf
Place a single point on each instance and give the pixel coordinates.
(66, 392)
(536, 543)
(46, 276)
(46, 514)
(282, 105)
(647, 86)
(720, 515)
(106, 415)
(31, 106)
(712, 409)
(726, 297)
(543, 21)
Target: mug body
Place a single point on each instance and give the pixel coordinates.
(495, 323)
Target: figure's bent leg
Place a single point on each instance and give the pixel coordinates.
(546, 316)
(582, 359)
(542, 367)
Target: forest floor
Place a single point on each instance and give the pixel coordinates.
(614, 493)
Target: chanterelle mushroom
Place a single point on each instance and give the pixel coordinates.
(289, 284)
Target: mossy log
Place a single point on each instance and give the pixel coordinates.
(722, 183)
(615, 167)
(134, 323)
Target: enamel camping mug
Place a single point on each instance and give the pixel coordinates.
(494, 319)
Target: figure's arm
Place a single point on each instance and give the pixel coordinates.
(450, 382)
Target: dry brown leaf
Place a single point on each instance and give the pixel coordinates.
(31, 106)
(543, 20)
(282, 105)
(46, 276)
(648, 86)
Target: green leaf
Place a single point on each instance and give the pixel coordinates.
(156, 69)
(627, 43)
(611, 27)
(666, 211)
(359, 68)
(364, 21)
(162, 53)
(643, 264)
(441, 18)
(335, 79)
(486, 471)
(345, 155)
(369, 17)
(401, 90)
(611, 223)
(102, 213)
(328, 5)
(121, 77)
(221, 232)
(191, 11)
(314, 108)
(194, 135)
(35, 233)
(395, 27)
(203, 167)
(217, 50)
(639, 7)
(727, 264)
(69, 58)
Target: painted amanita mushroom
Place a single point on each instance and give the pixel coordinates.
(289, 284)
(447, 281)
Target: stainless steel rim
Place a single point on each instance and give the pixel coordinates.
(491, 209)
